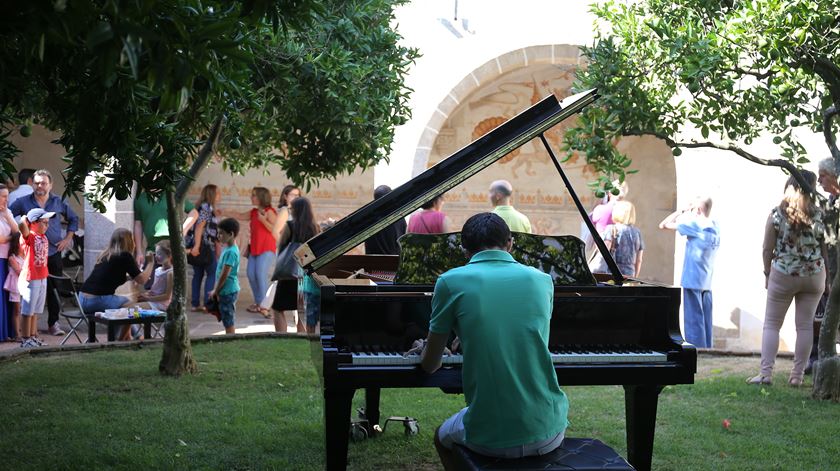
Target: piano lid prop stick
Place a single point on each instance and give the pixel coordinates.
(616, 273)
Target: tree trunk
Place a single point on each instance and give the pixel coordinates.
(827, 366)
(177, 356)
(177, 351)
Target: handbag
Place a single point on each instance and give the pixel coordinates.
(204, 257)
(286, 267)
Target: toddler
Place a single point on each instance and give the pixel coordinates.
(11, 285)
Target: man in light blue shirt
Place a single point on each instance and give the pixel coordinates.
(24, 185)
(702, 242)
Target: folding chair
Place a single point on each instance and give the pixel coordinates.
(70, 307)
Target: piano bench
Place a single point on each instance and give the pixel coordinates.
(572, 454)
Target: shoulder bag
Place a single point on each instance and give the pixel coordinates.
(286, 267)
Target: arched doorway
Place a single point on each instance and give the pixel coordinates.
(506, 85)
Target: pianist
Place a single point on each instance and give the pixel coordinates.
(501, 311)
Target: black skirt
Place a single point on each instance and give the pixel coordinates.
(285, 296)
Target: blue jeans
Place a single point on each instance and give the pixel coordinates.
(697, 310)
(452, 433)
(98, 303)
(227, 308)
(209, 283)
(259, 270)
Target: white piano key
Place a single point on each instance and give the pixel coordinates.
(394, 359)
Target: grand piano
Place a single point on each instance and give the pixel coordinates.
(607, 330)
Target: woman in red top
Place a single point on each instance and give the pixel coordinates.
(430, 219)
(261, 247)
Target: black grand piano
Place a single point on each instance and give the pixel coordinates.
(604, 331)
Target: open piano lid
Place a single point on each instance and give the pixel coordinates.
(445, 175)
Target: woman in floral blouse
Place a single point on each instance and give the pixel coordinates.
(794, 268)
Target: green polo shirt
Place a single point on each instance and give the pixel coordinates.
(515, 220)
(152, 215)
(501, 310)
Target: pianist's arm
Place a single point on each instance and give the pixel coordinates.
(444, 308)
(432, 354)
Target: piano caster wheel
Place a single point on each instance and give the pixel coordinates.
(358, 432)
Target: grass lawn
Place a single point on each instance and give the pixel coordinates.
(257, 404)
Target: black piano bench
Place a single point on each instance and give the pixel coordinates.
(573, 454)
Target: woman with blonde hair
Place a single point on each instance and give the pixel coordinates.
(794, 268)
(623, 240)
(114, 266)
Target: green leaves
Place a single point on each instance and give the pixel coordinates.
(724, 71)
(135, 89)
(100, 33)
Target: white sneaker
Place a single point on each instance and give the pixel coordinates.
(56, 330)
(28, 343)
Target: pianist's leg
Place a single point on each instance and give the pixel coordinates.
(452, 433)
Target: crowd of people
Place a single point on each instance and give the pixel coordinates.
(32, 240)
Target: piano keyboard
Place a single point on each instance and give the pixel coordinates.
(557, 357)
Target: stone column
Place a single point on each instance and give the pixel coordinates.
(100, 226)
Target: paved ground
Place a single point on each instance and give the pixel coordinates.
(201, 325)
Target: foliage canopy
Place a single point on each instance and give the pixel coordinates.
(729, 71)
(134, 87)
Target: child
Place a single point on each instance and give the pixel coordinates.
(32, 283)
(15, 266)
(160, 293)
(227, 281)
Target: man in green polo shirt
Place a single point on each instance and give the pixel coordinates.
(501, 193)
(150, 222)
(501, 311)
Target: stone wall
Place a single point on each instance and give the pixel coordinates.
(505, 86)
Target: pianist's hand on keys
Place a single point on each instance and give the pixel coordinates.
(417, 348)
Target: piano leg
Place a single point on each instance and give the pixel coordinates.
(372, 408)
(640, 409)
(337, 404)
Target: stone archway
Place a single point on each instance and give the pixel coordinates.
(506, 85)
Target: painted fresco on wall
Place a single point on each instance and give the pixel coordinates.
(538, 188)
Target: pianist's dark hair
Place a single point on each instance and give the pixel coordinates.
(304, 226)
(483, 231)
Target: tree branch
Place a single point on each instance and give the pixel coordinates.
(830, 73)
(830, 139)
(754, 73)
(208, 149)
(783, 163)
